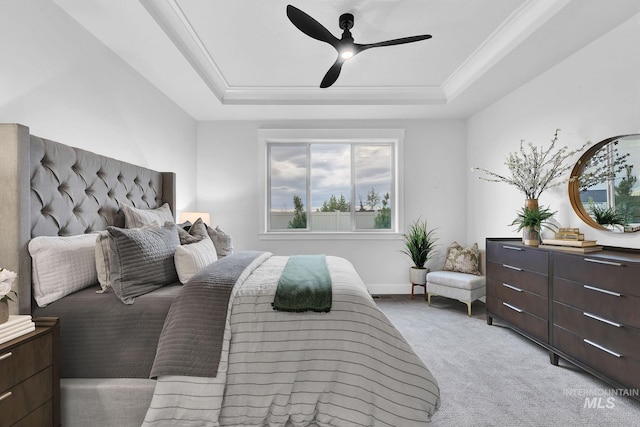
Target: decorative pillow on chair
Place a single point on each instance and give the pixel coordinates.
(141, 259)
(197, 232)
(62, 265)
(134, 217)
(463, 260)
(221, 240)
(192, 258)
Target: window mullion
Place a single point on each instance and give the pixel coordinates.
(308, 183)
(353, 187)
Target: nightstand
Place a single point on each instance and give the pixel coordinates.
(30, 377)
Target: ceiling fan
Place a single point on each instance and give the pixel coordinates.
(345, 46)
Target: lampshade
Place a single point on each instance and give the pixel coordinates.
(193, 217)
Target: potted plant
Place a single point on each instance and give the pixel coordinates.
(531, 221)
(419, 246)
(608, 217)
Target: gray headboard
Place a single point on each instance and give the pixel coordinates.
(50, 189)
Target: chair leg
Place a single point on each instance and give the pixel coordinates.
(469, 309)
(412, 287)
(428, 298)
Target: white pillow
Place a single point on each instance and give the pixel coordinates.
(62, 265)
(102, 260)
(192, 258)
(134, 217)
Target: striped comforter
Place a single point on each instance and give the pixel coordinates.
(348, 367)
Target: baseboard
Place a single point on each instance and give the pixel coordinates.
(394, 289)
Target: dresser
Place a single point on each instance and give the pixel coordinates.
(30, 377)
(583, 307)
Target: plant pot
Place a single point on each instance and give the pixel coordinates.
(418, 275)
(4, 311)
(532, 204)
(531, 236)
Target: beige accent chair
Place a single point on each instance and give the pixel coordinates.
(464, 287)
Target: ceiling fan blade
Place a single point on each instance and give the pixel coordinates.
(394, 42)
(310, 26)
(332, 75)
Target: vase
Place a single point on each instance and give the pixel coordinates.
(531, 236)
(532, 204)
(4, 311)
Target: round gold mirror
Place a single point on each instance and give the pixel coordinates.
(604, 189)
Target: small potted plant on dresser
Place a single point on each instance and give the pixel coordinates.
(531, 222)
(419, 244)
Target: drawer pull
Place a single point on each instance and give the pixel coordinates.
(512, 307)
(600, 261)
(598, 346)
(513, 248)
(511, 267)
(512, 287)
(604, 291)
(608, 322)
(4, 396)
(6, 356)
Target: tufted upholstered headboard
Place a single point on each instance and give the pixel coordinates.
(50, 189)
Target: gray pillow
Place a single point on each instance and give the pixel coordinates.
(221, 240)
(134, 217)
(196, 233)
(141, 259)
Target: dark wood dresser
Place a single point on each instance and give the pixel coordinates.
(30, 377)
(584, 308)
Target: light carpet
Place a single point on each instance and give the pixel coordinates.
(492, 376)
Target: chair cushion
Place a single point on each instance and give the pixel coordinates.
(456, 279)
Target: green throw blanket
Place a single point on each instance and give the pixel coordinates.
(305, 285)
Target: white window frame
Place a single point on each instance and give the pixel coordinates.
(395, 137)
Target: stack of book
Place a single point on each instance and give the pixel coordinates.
(570, 239)
(16, 326)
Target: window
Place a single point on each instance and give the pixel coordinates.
(331, 181)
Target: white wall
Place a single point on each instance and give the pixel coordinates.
(65, 85)
(592, 95)
(434, 176)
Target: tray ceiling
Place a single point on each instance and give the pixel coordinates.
(243, 59)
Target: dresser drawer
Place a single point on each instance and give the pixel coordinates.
(21, 361)
(518, 256)
(611, 274)
(621, 309)
(520, 278)
(26, 396)
(518, 318)
(623, 369)
(619, 338)
(529, 302)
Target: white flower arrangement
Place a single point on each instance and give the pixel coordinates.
(7, 277)
(535, 170)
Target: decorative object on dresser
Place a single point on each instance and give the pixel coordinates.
(30, 377)
(583, 308)
(419, 244)
(531, 221)
(461, 277)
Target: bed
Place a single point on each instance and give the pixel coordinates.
(348, 366)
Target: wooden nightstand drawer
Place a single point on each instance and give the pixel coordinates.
(520, 278)
(26, 396)
(19, 362)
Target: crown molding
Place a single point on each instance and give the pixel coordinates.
(521, 24)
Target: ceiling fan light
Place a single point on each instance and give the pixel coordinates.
(346, 54)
